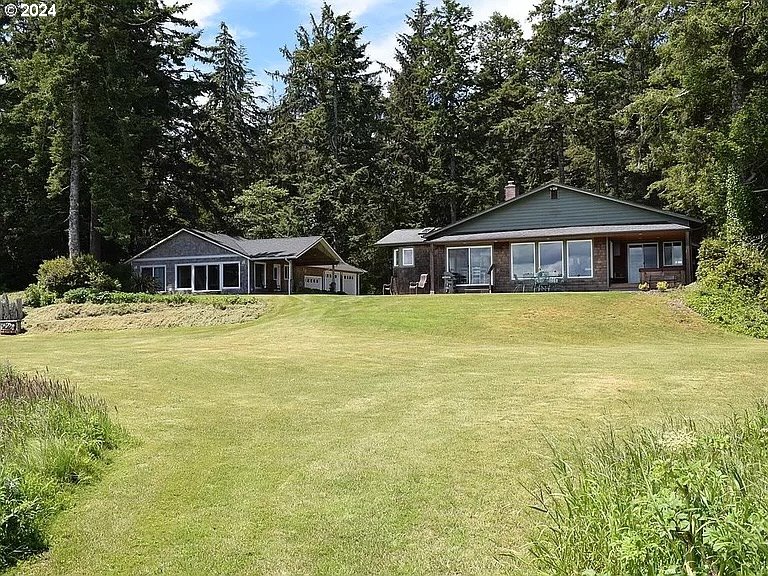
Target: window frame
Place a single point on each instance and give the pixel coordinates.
(469, 261)
(562, 257)
(664, 254)
(239, 279)
(512, 257)
(153, 267)
(396, 258)
(191, 278)
(276, 274)
(402, 257)
(263, 265)
(286, 272)
(207, 266)
(591, 258)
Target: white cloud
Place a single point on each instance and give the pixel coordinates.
(203, 11)
(355, 7)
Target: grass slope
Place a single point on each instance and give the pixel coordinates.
(376, 435)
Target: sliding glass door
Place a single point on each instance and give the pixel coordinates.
(642, 256)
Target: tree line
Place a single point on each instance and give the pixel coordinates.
(118, 126)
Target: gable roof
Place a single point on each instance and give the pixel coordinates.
(255, 249)
(642, 214)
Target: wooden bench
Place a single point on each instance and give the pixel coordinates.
(10, 327)
(672, 276)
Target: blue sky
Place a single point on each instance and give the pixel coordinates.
(263, 26)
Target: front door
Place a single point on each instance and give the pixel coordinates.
(641, 256)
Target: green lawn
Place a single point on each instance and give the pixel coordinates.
(374, 435)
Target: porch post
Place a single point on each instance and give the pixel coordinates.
(333, 278)
(688, 258)
(431, 268)
(290, 276)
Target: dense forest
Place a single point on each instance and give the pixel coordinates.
(117, 126)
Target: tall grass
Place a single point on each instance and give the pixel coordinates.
(50, 439)
(680, 501)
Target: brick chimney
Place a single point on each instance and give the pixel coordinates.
(510, 191)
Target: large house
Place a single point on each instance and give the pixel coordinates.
(195, 261)
(578, 240)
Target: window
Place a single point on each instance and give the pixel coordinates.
(579, 258)
(200, 278)
(213, 277)
(276, 274)
(523, 260)
(553, 193)
(470, 265)
(407, 256)
(260, 275)
(551, 258)
(156, 272)
(184, 277)
(673, 253)
(402, 257)
(208, 277)
(230, 274)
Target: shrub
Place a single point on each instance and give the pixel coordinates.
(60, 275)
(36, 296)
(733, 287)
(644, 286)
(661, 286)
(141, 283)
(78, 295)
(678, 502)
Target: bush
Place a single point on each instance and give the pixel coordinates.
(52, 438)
(36, 296)
(91, 296)
(732, 288)
(78, 295)
(734, 266)
(675, 502)
(661, 286)
(60, 275)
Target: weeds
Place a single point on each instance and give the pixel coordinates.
(679, 502)
(50, 438)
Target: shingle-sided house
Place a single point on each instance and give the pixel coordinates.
(194, 261)
(582, 240)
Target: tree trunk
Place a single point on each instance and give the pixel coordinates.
(74, 180)
(95, 240)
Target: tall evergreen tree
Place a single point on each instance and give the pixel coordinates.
(230, 127)
(327, 133)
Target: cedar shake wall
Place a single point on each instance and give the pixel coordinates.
(502, 275)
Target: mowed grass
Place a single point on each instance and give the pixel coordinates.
(372, 435)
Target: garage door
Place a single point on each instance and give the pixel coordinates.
(349, 284)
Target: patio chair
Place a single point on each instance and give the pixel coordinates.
(542, 282)
(390, 288)
(421, 284)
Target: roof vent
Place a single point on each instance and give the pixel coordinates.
(553, 193)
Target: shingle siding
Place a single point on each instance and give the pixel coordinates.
(184, 244)
(571, 208)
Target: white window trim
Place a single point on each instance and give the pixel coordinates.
(191, 277)
(413, 258)
(165, 274)
(396, 258)
(562, 256)
(239, 280)
(220, 265)
(469, 259)
(663, 254)
(512, 257)
(286, 272)
(591, 258)
(276, 274)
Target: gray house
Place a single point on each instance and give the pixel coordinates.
(579, 239)
(203, 262)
